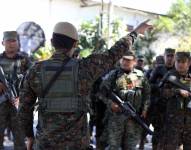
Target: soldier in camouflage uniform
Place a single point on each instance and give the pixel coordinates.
(178, 109)
(14, 65)
(159, 61)
(131, 85)
(62, 123)
(158, 99)
(140, 63)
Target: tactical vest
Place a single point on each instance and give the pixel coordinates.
(63, 94)
(10, 65)
(129, 87)
(187, 82)
(12, 69)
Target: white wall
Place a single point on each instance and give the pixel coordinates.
(47, 12)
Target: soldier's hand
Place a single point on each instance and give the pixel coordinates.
(115, 107)
(184, 93)
(142, 27)
(30, 141)
(2, 88)
(144, 114)
(15, 102)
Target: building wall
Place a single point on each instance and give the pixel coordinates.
(47, 12)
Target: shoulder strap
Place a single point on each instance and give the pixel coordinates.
(53, 79)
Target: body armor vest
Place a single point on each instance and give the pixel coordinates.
(63, 95)
(13, 70)
(10, 65)
(129, 87)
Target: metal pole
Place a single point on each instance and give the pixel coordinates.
(109, 23)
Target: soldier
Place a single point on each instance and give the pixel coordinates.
(159, 61)
(14, 66)
(62, 85)
(178, 110)
(131, 85)
(158, 101)
(140, 63)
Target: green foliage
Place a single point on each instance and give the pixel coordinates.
(178, 23)
(93, 38)
(90, 39)
(43, 53)
(143, 45)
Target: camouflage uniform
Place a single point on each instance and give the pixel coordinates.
(12, 66)
(158, 102)
(132, 86)
(178, 112)
(65, 130)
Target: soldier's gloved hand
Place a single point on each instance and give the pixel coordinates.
(115, 107)
(2, 88)
(184, 93)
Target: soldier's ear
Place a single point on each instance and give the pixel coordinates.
(135, 61)
(3, 43)
(51, 41)
(75, 44)
(189, 61)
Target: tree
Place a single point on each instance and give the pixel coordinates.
(93, 38)
(43, 53)
(143, 45)
(178, 23)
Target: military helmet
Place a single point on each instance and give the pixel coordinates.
(67, 29)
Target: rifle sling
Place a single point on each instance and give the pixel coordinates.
(53, 79)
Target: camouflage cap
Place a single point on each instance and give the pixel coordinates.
(160, 59)
(169, 51)
(10, 35)
(140, 57)
(182, 55)
(129, 55)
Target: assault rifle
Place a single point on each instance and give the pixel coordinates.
(10, 93)
(129, 110)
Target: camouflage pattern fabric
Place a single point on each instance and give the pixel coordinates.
(158, 104)
(122, 131)
(67, 130)
(8, 112)
(178, 117)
